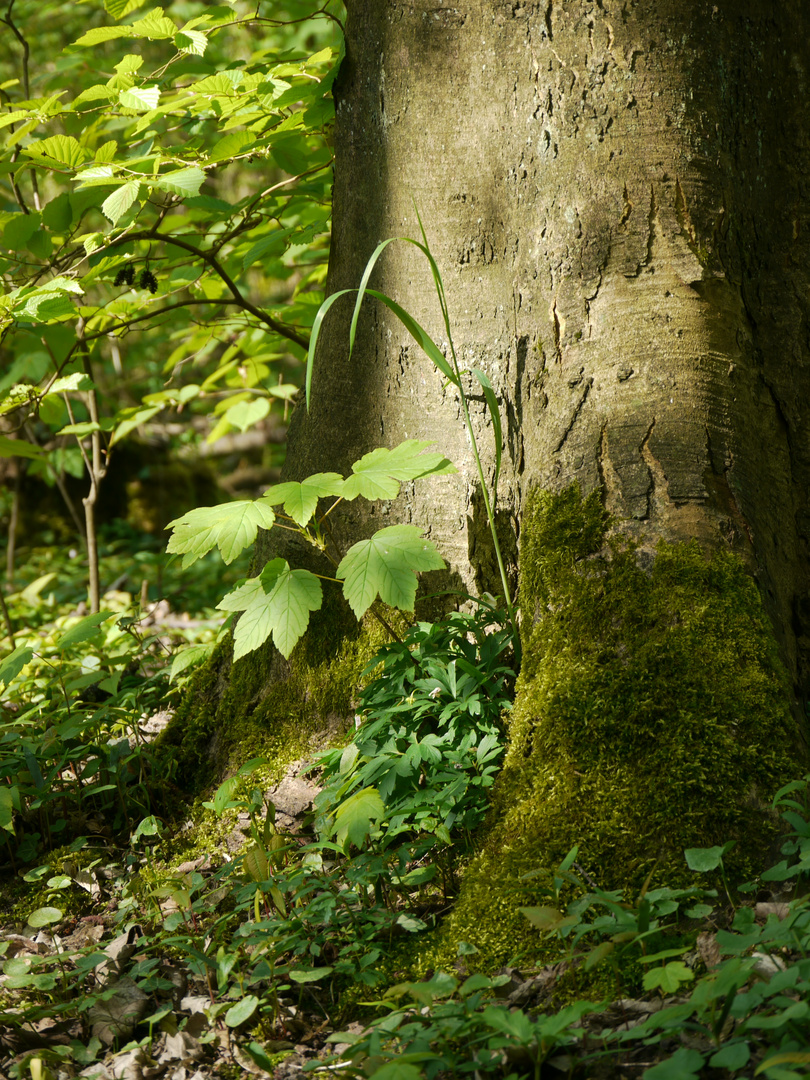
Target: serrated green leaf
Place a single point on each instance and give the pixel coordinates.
(119, 8)
(62, 148)
(230, 527)
(240, 598)
(116, 205)
(93, 93)
(140, 98)
(43, 306)
(386, 565)
(19, 448)
(181, 182)
(155, 25)
(231, 145)
(129, 63)
(103, 33)
(301, 499)
(354, 817)
(277, 604)
(107, 151)
(377, 475)
(191, 41)
(92, 242)
(296, 594)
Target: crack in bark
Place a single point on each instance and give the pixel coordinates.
(574, 415)
(656, 473)
(557, 332)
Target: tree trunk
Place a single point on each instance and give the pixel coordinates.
(615, 194)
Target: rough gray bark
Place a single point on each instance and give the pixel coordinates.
(615, 192)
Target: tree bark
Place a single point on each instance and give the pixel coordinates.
(615, 194)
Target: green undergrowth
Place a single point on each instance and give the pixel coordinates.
(264, 706)
(651, 715)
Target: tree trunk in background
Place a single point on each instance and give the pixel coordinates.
(615, 193)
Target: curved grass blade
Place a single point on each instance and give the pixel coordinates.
(313, 341)
(494, 412)
(419, 334)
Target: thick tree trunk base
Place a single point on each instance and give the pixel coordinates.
(264, 706)
(652, 715)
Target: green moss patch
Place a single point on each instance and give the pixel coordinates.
(262, 706)
(652, 715)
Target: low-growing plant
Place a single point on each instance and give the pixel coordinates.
(430, 733)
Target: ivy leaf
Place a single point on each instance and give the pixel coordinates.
(387, 565)
(140, 98)
(116, 205)
(231, 527)
(301, 499)
(182, 182)
(354, 817)
(377, 475)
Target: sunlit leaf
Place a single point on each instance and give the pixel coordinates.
(242, 1011)
(386, 566)
(13, 664)
(117, 204)
(191, 41)
(377, 475)
(103, 33)
(231, 527)
(355, 816)
(84, 629)
(301, 499)
(62, 148)
(181, 182)
(140, 98)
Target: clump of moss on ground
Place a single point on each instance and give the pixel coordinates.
(652, 715)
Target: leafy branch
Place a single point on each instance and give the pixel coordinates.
(279, 601)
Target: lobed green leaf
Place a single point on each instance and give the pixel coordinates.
(386, 566)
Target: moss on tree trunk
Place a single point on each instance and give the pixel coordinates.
(652, 715)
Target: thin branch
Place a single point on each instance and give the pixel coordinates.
(214, 263)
